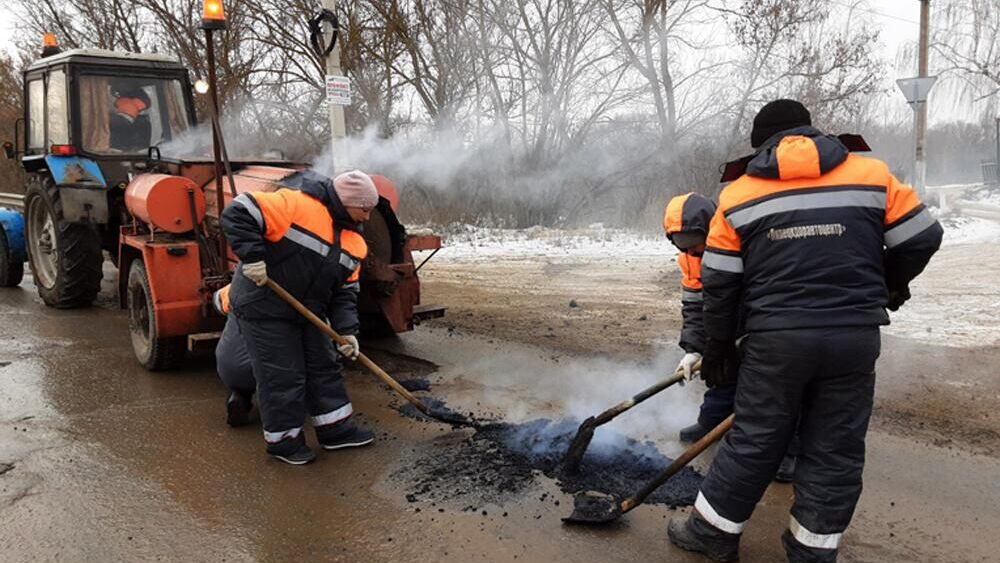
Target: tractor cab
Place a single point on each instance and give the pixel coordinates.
(106, 106)
(92, 119)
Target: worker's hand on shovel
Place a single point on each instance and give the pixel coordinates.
(352, 349)
(687, 365)
(255, 272)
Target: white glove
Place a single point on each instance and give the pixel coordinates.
(352, 348)
(687, 364)
(255, 272)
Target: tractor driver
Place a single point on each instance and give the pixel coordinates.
(306, 238)
(129, 123)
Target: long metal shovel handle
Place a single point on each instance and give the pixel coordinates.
(362, 359)
(682, 460)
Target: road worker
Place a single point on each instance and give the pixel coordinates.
(306, 238)
(232, 362)
(813, 244)
(686, 221)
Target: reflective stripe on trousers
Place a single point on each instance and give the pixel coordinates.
(812, 539)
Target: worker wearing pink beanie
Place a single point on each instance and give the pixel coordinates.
(356, 189)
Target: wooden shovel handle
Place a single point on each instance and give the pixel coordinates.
(362, 359)
(610, 414)
(690, 453)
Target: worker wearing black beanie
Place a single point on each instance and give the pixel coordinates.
(778, 116)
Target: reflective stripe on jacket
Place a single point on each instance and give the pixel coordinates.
(298, 234)
(811, 236)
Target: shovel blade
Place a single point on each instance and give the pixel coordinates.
(584, 434)
(593, 508)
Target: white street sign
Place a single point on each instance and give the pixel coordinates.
(916, 89)
(338, 90)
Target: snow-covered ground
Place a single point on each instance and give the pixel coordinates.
(955, 301)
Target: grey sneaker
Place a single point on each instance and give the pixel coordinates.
(292, 451)
(343, 435)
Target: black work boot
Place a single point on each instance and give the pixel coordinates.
(343, 434)
(786, 471)
(293, 451)
(693, 433)
(238, 407)
(697, 535)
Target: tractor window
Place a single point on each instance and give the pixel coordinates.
(36, 114)
(125, 115)
(56, 109)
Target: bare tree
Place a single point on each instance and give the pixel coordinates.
(968, 40)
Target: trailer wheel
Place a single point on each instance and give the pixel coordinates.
(153, 352)
(65, 258)
(11, 269)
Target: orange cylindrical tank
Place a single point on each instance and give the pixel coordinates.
(163, 201)
(387, 189)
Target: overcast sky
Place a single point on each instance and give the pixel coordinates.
(898, 20)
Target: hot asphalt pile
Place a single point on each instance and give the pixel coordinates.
(500, 460)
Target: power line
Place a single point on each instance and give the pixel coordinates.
(874, 11)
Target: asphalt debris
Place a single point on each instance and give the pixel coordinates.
(501, 460)
(416, 384)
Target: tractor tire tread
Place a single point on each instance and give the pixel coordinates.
(81, 260)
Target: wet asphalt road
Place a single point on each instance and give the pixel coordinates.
(103, 461)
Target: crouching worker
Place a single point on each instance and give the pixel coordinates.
(232, 362)
(304, 236)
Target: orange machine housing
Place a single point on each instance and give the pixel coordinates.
(165, 202)
(180, 268)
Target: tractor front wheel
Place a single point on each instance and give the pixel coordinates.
(155, 353)
(66, 258)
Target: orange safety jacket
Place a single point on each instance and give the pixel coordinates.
(310, 245)
(691, 213)
(812, 236)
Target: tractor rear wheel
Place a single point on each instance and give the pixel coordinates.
(66, 258)
(11, 269)
(155, 353)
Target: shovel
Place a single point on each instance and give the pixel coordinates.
(591, 507)
(585, 433)
(437, 413)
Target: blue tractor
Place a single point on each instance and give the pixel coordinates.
(91, 120)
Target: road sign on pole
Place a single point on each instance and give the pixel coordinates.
(916, 89)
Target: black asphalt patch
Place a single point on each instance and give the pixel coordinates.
(500, 461)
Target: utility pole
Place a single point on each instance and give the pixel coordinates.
(338, 130)
(920, 115)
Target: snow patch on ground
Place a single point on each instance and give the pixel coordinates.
(960, 229)
(470, 243)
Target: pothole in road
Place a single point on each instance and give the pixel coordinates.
(501, 461)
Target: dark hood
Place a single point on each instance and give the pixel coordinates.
(321, 187)
(802, 152)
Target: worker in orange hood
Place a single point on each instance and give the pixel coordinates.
(804, 255)
(685, 223)
(129, 123)
(306, 238)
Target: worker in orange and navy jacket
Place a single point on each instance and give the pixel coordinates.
(811, 244)
(306, 238)
(685, 223)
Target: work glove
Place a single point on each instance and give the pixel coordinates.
(897, 297)
(721, 363)
(255, 272)
(352, 349)
(687, 364)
